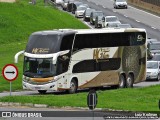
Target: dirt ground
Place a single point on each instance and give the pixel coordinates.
(7, 0)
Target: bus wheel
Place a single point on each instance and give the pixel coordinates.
(129, 82)
(73, 87)
(122, 81)
(42, 91)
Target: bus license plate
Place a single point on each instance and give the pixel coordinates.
(37, 88)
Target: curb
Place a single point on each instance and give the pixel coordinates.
(31, 105)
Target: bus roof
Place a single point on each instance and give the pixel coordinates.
(88, 31)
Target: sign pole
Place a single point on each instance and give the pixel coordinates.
(10, 87)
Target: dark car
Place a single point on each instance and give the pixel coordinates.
(93, 16)
(87, 13)
(98, 22)
(75, 5)
(69, 5)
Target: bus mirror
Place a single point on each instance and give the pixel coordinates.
(17, 55)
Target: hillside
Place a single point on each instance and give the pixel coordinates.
(17, 21)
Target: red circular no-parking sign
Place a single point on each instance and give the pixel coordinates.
(10, 72)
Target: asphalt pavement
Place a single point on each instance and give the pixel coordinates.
(135, 17)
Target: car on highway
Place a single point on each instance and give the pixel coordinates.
(112, 25)
(149, 41)
(98, 22)
(80, 11)
(156, 57)
(75, 5)
(64, 4)
(153, 70)
(120, 4)
(109, 19)
(93, 16)
(124, 26)
(69, 5)
(154, 47)
(58, 2)
(87, 13)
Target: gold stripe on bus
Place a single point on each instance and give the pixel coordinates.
(42, 79)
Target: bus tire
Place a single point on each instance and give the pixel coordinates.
(42, 91)
(73, 87)
(129, 81)
(122, 81)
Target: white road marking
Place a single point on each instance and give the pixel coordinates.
(114, 11)
(88, 25)
(104, 7)
(137, 21)
(153, 28)
(125, 16)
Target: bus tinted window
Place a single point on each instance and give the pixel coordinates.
(101, 65)
(109, 40)
(67, 42)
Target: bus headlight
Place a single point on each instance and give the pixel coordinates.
(55, 79)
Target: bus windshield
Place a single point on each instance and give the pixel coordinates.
(39, 67)
(43, 44)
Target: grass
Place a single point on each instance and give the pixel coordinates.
(137, 99)
(17, 21)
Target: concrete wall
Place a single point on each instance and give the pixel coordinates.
(145, 5)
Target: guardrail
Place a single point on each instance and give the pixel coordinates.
(151, 5)
(154, 2)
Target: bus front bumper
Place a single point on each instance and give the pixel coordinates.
(49, 86)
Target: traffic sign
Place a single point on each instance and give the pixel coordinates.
(92, 99)
(10, 72)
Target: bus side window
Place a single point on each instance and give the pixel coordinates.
(67, 42)
(62, 64)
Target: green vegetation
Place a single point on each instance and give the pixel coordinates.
(17, 21)
(137, 99)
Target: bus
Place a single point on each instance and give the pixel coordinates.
(69, 59)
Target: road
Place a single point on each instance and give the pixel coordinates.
(62, 114)
(135, 17)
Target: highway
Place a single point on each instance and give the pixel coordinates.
(135, 17)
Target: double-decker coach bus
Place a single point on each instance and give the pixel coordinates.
(76, 59)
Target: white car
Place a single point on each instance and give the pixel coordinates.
(58, 2)
(110, 20)
(64, 4)
(80, 11)
(120, 4)
(153, 70)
